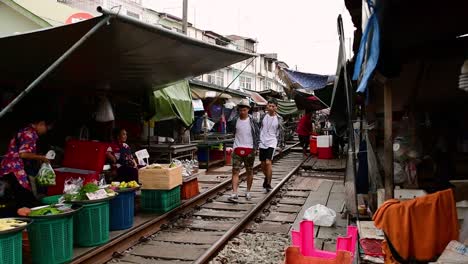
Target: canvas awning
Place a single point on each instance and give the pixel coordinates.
(200, 93)
(122, 55)
(287, 107)
(174, 102)
(257, 98)
(213, 87)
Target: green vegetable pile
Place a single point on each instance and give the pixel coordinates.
(45, 211)
(46, 175)
(81, 195)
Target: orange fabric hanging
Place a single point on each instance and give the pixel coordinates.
(418, 229)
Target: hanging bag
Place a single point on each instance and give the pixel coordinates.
(243, 152)
(46, 175)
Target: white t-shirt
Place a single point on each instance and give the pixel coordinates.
(243, 137)
(269, 132)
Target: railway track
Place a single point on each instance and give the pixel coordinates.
(196, 231)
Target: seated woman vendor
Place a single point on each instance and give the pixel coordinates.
(16, 196)
(120, 155)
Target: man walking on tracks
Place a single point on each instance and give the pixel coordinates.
(271, 137)
(246, 139)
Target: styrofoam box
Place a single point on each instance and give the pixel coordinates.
(462, 208)
(400, 194)
(324, 141)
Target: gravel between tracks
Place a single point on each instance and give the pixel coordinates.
(254, 248)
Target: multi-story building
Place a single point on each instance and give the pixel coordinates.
(257, 74)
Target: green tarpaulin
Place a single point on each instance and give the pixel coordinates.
(287, 108)
(174, 102)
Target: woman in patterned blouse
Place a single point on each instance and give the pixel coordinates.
(16, 188)
(121, 157)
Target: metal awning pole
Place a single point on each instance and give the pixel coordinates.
(233, 80)
(52, 67)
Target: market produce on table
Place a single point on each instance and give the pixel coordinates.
(82, 193)
(9, 223)
(124, 185)
(50, 210)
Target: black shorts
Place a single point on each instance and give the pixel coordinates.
(266, 154)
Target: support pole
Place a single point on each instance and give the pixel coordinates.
(54, 65)
(388, 144)
(185, 16)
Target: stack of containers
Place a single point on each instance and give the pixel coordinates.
(324, 147)
(160, 188)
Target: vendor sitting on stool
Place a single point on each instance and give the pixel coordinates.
(16, 196)
(124, 167)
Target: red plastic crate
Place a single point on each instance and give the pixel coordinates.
(189, 189)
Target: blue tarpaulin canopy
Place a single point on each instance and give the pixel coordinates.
(308, 81)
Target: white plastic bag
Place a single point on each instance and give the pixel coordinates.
(320, 215)
(104, 111)
(46, 175)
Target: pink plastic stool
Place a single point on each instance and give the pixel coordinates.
(304, 239)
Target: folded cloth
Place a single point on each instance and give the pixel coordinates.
(372, 247)
(417, 230)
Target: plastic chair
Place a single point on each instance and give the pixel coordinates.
(304, 239)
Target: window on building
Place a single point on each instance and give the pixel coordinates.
(220, 78)
(245, 82)
(267, 85)
(211, 78)
(133, 14)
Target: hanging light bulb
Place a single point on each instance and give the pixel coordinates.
(463, 79)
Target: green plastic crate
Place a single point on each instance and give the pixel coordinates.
(51, 240)
(160, 201)
(92, 225)
(11, 248)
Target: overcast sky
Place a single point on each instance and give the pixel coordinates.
(302, 32)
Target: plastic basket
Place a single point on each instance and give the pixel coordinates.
(189, 189)
(51, 199)
(122, 209)
(160, 201)
(92, 225)
(51, 240)
(11, 249)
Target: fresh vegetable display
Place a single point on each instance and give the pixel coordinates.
(8, 223)
(46, 175)
(82, 193)
(49, 210)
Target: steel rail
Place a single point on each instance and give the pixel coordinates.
(130, 238)
(233, 231)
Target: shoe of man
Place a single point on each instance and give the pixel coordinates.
(234, 198)
(248, 196)
(267, 187)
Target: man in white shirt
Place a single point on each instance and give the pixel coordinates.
(246, 133)
(271, 137)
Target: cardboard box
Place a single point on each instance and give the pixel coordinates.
(164, 178)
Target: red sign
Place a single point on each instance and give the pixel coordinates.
(77, 17)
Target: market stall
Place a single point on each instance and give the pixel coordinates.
(77, 62)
